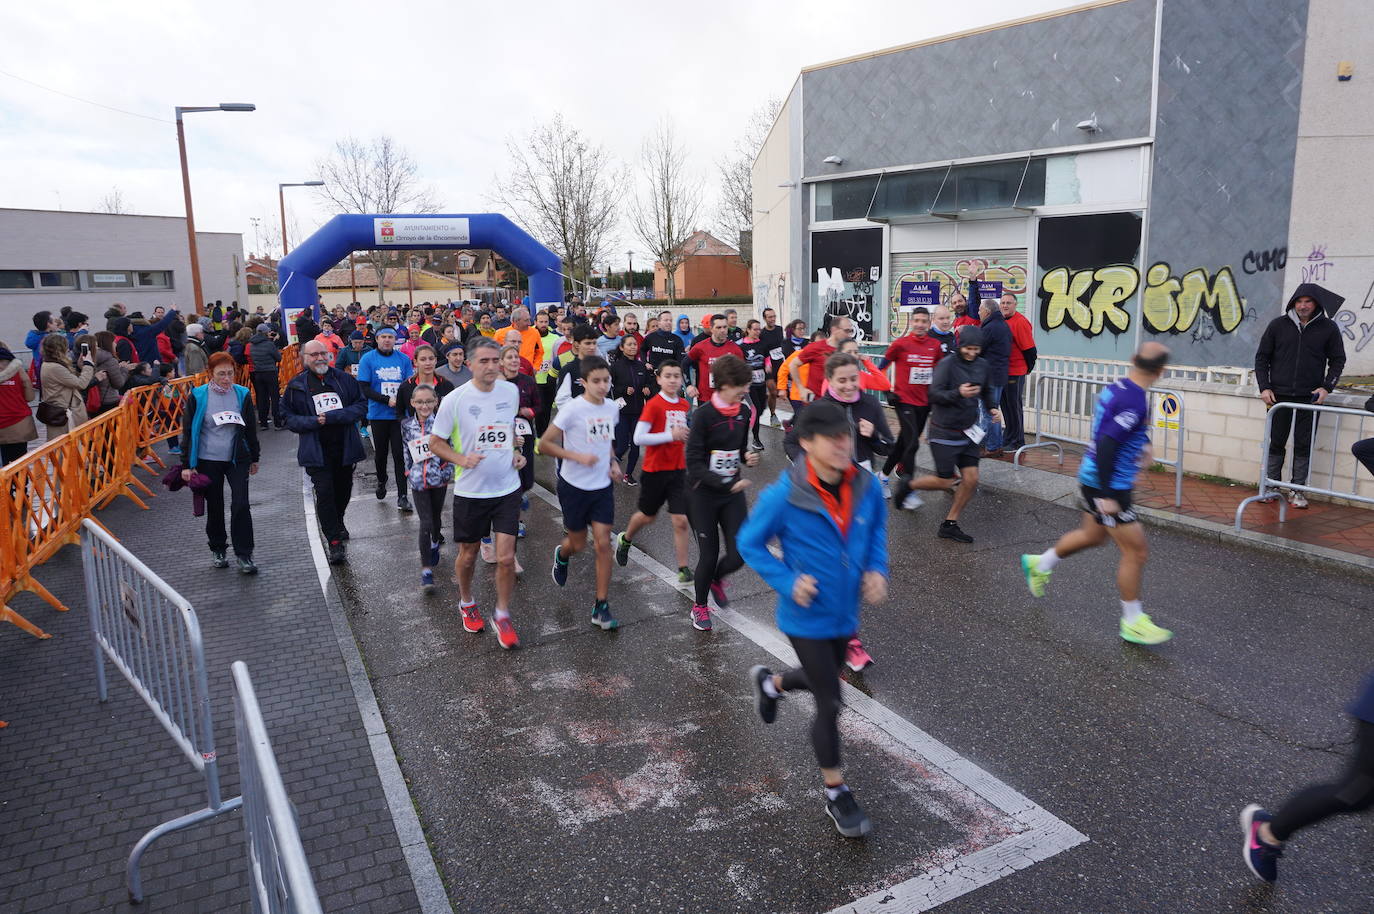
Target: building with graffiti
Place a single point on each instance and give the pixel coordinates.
(1130, 169)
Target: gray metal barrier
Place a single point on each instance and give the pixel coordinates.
(279, 874)
(1064, 407)
(1269, 487)
(150, 634)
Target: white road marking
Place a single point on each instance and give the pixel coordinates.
(1044, 835)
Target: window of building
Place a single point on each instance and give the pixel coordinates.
(16, 279)
(847, 198)
(109, 279)
(465, 263)
(57, 279)
(993, 185)
(154, 279)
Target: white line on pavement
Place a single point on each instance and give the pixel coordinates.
(1044, 835)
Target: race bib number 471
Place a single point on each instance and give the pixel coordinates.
(599, 429)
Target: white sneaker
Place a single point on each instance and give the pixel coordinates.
(887, 485)
(912, 502)
(1297, 499)
(488, 552)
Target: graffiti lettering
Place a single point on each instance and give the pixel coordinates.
(1264, 261)
(1347, 322)
(1317, 266)
(1171, 305)
(1105, 288)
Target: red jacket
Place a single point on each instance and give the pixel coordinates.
(814, 356)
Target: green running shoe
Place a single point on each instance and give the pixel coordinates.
(1143, 631)
(685, 575)
(622, 549)
(1035, 578)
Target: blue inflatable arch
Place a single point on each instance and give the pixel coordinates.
(299, 271)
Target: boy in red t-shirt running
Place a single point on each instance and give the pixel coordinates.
(662, 432)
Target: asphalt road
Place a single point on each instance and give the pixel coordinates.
(628, 772)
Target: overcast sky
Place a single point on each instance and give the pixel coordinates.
(448, 81)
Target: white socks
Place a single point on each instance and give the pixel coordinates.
(1130, 611)
(769, 689)
(833, 793)
(1048, 559)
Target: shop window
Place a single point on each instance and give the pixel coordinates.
(910, 193)
(993, 185)
(844, 199)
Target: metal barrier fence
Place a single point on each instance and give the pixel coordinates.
(1064, 413)
(151, 635)
(279, 874)
(1269, 487)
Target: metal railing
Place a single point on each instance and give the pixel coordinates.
(151, 635)
(1064, 409)
(279, 874)
(1269, 487)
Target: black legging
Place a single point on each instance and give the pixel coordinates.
(913, 422)
(386, 434)
(1364, 453)
(9, 453)
(547, 391)
(240, 515)
(429, 508)
(1354, 793)
(819, 674)
(268, 397)
(715, 517)
(758, 395)
(527, 471)
(625, 440)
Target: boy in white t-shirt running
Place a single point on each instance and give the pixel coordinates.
(475, 431)
(581, 436)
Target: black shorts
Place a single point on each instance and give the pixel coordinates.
(581, 507)
(663, 487)
(475, 518)
(1126, 514)
(949, 456)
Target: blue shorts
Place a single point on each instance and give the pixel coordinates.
(581, 507)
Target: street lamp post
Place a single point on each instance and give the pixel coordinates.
(281, 202)
(186, 190)
(630, 285)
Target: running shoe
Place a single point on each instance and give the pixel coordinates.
(1261, 858)
(1143, 631)
(505, 632)
(701, 618)
(1035, 578)
(246, 565)
(403, 503)
(1297, 499)
(950, 530)
(758, 445)
(912, 501)
(381, 491)
(364, 432)
(174, 450)
(472, 619)
(855, 657)
(630, 480)
(848, 816)
(488, 551)
(427, 580)
(218, 558)
(524, 506)
(337, 556)
(344, 535)
(886, 480)
(520, 534)
(718, 593)
(622, 550)
(560, 567)
(765, 704)
(601, 616)
(433, 552)
(900, 487)
(685, 575)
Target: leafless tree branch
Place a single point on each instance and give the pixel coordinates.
(666, 210)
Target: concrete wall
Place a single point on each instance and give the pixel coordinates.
(1330, 237)
(778, 220)
(1230, 78)
(47, 240)
(988, 92)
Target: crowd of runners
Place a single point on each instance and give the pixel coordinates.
(461, 401)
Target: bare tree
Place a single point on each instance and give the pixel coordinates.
(666, 210)
(736, 215)
(113, 202)
(378, 176)
(565, 191)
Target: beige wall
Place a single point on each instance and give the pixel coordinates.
(1331, 234)
(777, 234)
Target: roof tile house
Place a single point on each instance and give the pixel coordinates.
(712, 269)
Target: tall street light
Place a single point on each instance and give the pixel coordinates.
(281, 201)
(186, 189)
(630, 286)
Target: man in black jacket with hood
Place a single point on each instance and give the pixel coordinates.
(1299, 360)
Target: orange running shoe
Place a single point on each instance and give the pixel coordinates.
(505, 632)
(472, 619)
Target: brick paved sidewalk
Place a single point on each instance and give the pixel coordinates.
(80, 782)
(1340, 527)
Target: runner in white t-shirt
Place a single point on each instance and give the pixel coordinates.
(475, 431)
(582, 436)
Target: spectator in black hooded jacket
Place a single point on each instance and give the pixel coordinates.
(1299, 360)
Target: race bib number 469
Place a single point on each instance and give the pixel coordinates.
(493, 437)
